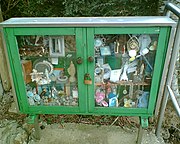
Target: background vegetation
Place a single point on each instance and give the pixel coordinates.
(60, 8)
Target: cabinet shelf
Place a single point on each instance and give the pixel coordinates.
(125, 83)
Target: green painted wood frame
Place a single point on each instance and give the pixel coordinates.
(85, 48)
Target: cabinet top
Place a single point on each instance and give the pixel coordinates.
(88, 21)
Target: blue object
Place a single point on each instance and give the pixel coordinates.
(30, 94)
(113, 102)
(111, 95)
(143, 100)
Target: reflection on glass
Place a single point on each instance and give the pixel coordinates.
(123, 69)
(49, 69)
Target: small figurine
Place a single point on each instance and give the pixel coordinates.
(72, 71)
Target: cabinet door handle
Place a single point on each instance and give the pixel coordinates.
(79, 60)
(90, 59)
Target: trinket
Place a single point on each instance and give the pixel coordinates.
(72, 71)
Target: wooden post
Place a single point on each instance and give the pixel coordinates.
(3, 63)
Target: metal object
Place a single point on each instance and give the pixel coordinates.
(79, 60)
(175, 50)
(140, 135)
(90, 59)
(87, 79)
(174, 101)
(88, 21)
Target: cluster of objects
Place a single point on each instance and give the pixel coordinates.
(46, 95)
(53, 87)
(46, 80)
(108, 96)
(123, 60)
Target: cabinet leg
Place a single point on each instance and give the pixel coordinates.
(34, 119)
(37, 129)
(143, 124)
(140, 135)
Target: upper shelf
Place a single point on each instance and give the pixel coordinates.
(88, 21)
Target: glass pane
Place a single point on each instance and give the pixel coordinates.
(49, 69)
(123, 69)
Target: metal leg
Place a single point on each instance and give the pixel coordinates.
(37, 128)
(140, 135)
(33, 119)
(143, 124)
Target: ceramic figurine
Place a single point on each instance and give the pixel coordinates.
(72, 71)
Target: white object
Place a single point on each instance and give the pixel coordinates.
(144, 41)
(132, 53)
(72, 71)
(54, 60)
(115, 74)
(75, 93)
(56, 46)
(124, 76)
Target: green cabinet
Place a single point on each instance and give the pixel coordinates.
(104, 66)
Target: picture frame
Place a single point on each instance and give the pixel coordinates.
(56, 46)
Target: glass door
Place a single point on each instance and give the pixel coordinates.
(123, 69)
(51, 67)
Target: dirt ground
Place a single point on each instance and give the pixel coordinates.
(75, 129)
(73, 133)
(92, 134)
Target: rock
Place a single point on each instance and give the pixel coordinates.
(13, 108)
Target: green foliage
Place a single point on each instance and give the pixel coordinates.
(60, 8)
